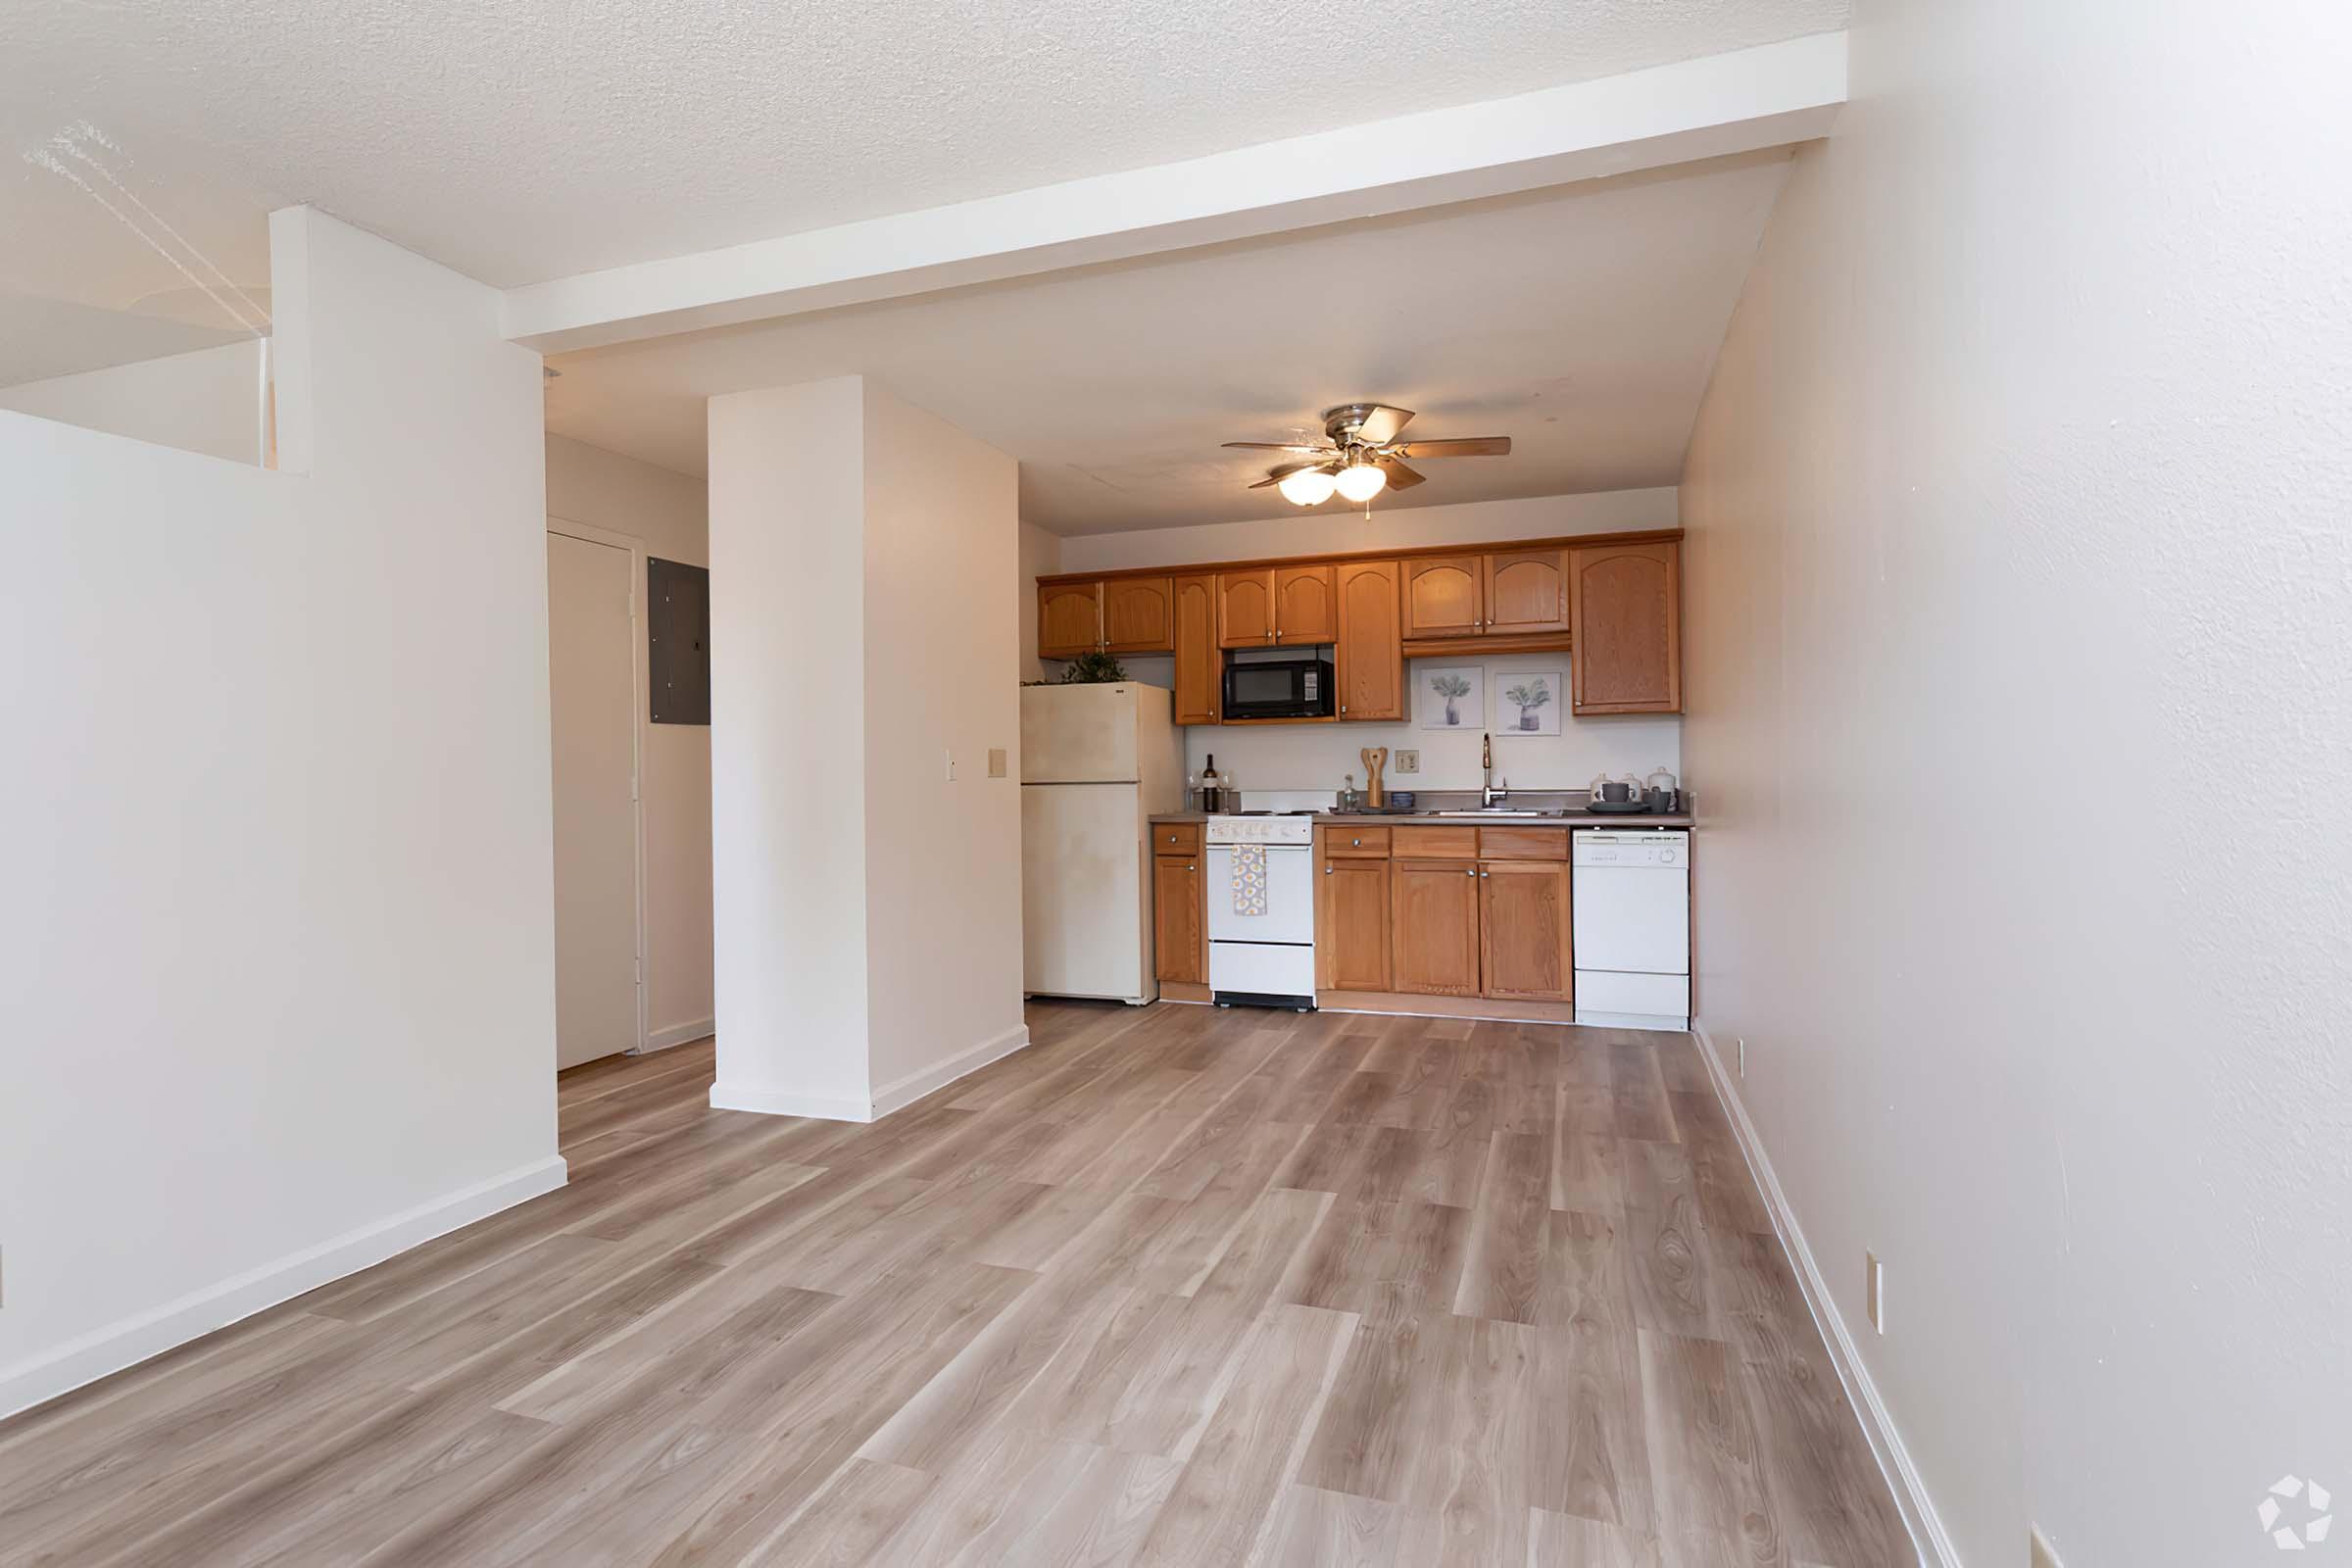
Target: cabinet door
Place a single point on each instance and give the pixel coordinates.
(1523, 923)
(1626, 648)
(1139, 616)
(1443, 596)
(1527, 591)
(1070, 618)
(1245, 609)
(1304, 608)
(1180, 933)
(1351, 925)
(1199, 669)
(1434, 945)
(1371, 650)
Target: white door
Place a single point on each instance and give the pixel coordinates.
(591, 648)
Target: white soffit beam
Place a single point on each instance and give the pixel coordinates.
(1732, 103)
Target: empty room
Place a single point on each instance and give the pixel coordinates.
(1557, 785)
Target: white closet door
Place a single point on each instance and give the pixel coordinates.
(593, 705)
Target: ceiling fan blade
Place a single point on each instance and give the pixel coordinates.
(1400, 477)
(1372, 423)
(1476, 446)
(1283, 446)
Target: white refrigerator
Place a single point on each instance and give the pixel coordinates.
(1097, 764)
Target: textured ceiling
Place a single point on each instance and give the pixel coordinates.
(523, 141)
(1582, 323)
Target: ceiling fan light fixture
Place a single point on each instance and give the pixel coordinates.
(1306, 487)
(1360, 481)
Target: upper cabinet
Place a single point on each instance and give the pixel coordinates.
(1139, 616)
(1527, 591)
(1070, 618)
(1245, 609)
(1370, 649)
(1445, 596)
(1612, 603)
(1625, 605)
(1305, 609)
(1199, 668)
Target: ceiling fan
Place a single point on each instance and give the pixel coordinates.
(1361, 455)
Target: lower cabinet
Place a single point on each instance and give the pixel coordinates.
(1179, 919)
(1524, 929)
(1435, 939)
(1351, 925)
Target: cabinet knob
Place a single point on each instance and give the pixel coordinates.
(1327, 870)
(1358, 843)
(1473, 871)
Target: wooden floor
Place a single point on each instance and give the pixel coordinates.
(1174, 1286)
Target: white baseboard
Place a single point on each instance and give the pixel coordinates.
(766, 1101)
(915, 1085)
(678, 1033)
(884, 1100)
(133, 1339)
(1928, 1538)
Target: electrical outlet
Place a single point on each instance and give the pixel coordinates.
(995, 761)
(1875, 1289)
(1408, 762)
(2042, 1553)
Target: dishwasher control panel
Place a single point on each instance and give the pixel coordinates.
(1665, 851)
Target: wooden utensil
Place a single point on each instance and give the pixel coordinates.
(1376, 758)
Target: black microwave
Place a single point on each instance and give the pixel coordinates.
(1279, 688)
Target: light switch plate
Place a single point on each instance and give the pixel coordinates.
(950, 767)
(995, 761)
(1408, 762)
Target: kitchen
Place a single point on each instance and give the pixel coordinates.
(1247, 847)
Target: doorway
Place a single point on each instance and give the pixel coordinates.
(592, 689)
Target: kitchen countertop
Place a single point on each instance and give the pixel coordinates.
(1573, 819)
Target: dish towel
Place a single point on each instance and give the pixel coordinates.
(1249, 879)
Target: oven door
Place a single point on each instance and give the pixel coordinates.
(1289, 897)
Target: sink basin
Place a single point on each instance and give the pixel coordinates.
(1497, 812)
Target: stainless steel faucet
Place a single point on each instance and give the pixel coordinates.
(1489, 795)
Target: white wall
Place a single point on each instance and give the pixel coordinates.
(943, 858)
(1314, 756)
(2019, 596)
(788, 716)
(1040, 556)
(670, 513)
(278, 949)
(207, 399)
(869, 908)
(1334, 529)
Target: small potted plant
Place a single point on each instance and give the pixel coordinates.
(1530, 695)
(1095, 669)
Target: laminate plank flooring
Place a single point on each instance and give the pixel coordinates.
(1172, 1285)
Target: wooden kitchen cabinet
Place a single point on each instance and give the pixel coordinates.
(1180, 925)
(1625, 607)
(1070, 618)
(1200, 664)
(1370, 651)
(1445, 596)
(1245, 609)
(1526, 592)
(1524, 929)
(1139, 616)
(1351, 924)
(1305, 606)
(1433, 939)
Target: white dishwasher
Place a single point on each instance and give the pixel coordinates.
(1630, 894)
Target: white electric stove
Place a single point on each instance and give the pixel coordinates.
(1263, 960)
